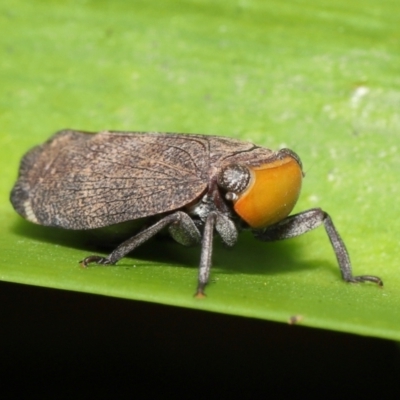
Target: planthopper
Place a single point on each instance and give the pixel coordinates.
(193, 186)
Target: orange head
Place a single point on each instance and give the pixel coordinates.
(267, 193)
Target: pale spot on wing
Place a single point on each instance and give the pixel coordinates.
(29, 214)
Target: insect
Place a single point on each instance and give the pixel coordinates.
(191, 185)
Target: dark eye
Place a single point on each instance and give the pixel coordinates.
(234, 178)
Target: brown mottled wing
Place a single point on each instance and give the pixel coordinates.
(79, 180)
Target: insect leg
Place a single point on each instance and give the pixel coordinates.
(206, 252)
(178, 218)
(226, 229)
(306, 221)
(184, 230)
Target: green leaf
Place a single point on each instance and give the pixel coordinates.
(319, 77)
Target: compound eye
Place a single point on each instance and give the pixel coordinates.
(234, 179)
(272, 191)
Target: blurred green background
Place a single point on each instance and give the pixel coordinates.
(320, 77)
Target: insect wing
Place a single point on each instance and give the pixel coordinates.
(80, 180)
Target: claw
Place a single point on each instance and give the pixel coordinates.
(94, 259)
(366, 278)
(200, 294)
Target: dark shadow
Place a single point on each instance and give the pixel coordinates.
(255, 257)
(60, 344)
(248, 256)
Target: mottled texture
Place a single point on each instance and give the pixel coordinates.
(79, 180)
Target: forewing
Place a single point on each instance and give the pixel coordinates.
(90, 181)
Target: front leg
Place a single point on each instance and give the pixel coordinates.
(206, 253)
(306, 221)
(228, 232)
